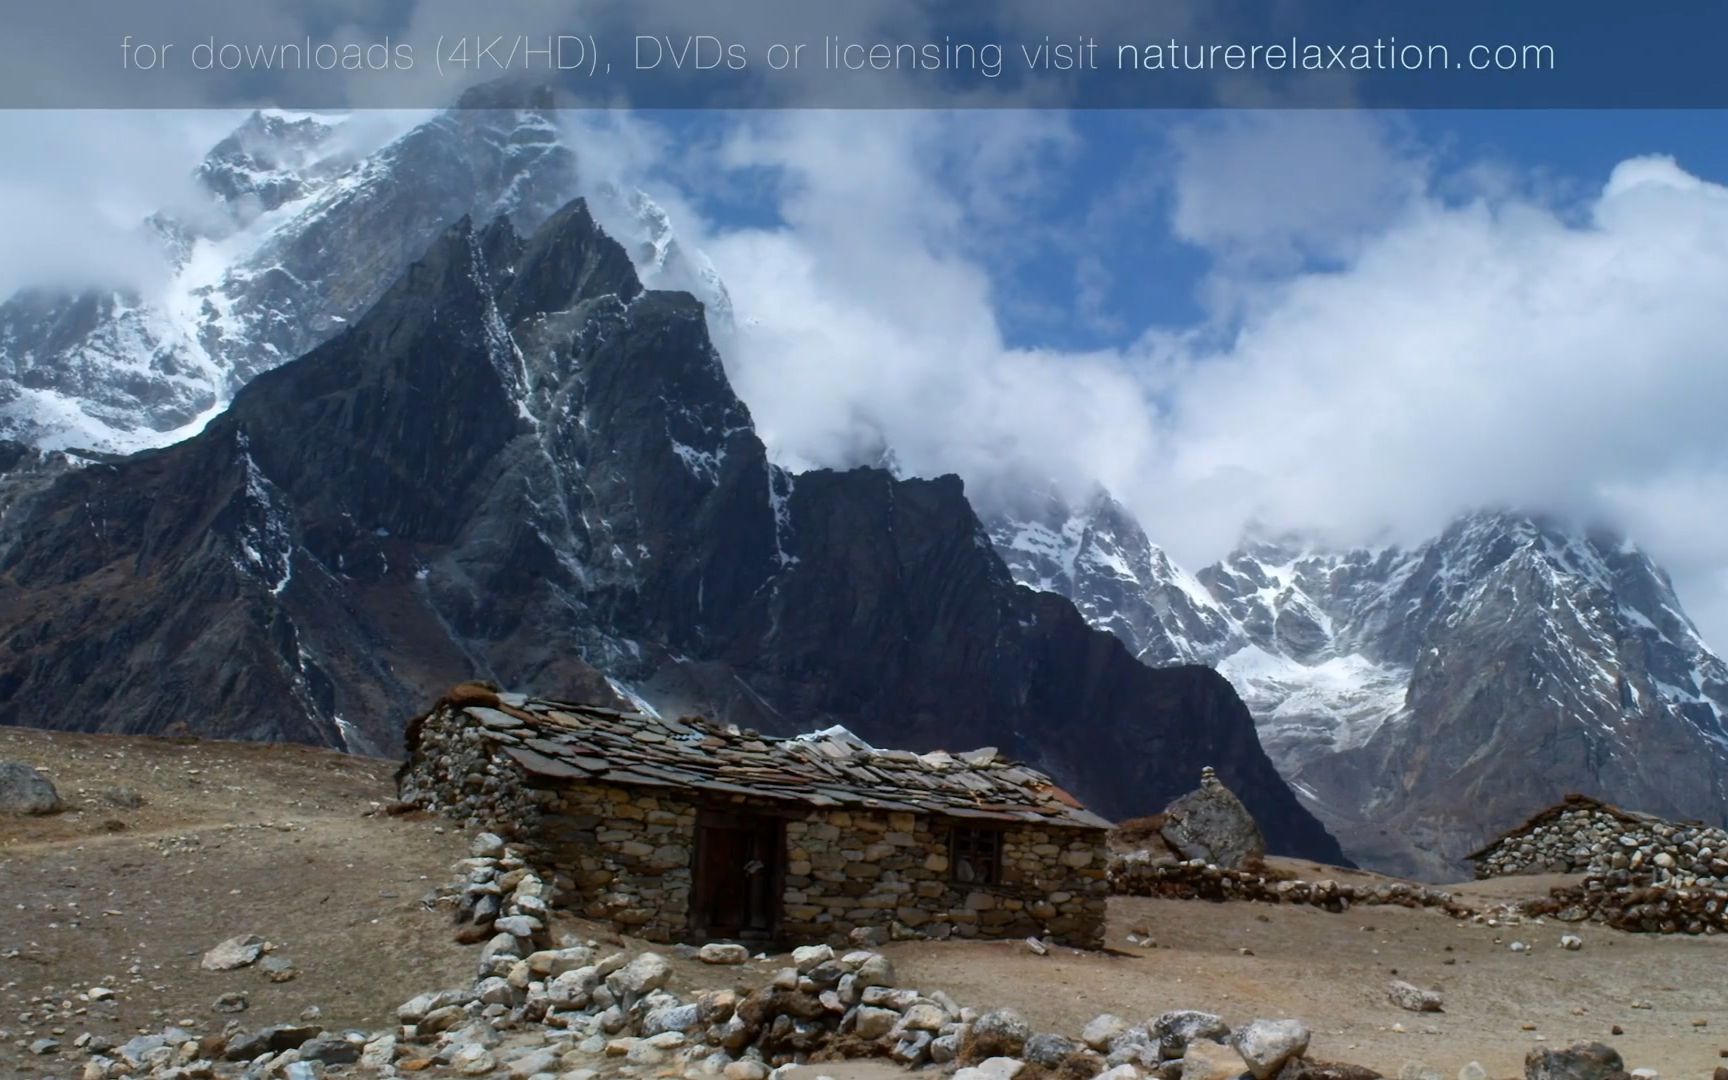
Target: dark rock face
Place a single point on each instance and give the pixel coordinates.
(23, 790)
(519, 464)
(1210, 823)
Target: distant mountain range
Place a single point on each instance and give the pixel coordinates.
(1420, 699)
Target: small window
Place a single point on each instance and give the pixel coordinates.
(975, 856)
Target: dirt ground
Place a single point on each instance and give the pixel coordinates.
(1331, 970)
(235, 838)
(229, 839)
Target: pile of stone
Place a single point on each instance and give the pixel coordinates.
(500, 899)
(1641, 909)
(1643, 874)
(1583, 835)
(1141, 873)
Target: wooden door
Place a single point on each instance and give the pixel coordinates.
(740, 866)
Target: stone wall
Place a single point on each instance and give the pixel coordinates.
(853, 869)
(614, 854)
(625, 855)
(1142, 873)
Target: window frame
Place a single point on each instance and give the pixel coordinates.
(975, 843)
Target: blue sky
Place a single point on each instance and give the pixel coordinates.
(1359, 324)
(1099, 262)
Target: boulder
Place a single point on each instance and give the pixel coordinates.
(716, 952)
(1211, 824)
(1206, 1060)
(236, 952)
(650, 971)
(1413, 998)
(278, 969)
(806, 957)
(1580, 1061)
(1267, 1044)
(1048, 1049)
(1102, 1031)
(1176, 1029)
(998, 1033)
(996, 1068)
(1136, 1046)
(872, 1023)
(23, 790)
(330, 1050)
(874, 970)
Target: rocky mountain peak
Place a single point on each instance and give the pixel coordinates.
(299, 239)
(518, 464)
(1382, 678)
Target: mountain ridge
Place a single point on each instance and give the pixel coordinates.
(521, 465)
(1363, 667)
(299, 234)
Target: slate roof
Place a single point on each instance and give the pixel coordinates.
(833, 768)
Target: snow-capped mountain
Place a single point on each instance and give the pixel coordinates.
(1420, 699)
(300, 233)
(1099, 557)
(519, 463)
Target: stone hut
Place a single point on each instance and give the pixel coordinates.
(685, 830)
(1577, 835)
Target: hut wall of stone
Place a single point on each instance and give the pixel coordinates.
(625, 855)
(851, 869)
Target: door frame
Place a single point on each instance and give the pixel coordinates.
(770, 826)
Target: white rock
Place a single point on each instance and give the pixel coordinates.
(1571, 942)
(379, 1053)
(1267, 1044)
(650, 971)
(996, 1068)
(472, 1059)
(1103, 1030)
(236, 952)
(807, 957)
(716, 952)
(1412, 998)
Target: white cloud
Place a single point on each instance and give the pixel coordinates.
(867, 318)
(1278, 187)
(1477, 347)
(77, 187)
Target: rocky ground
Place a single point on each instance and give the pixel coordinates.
(168, 847)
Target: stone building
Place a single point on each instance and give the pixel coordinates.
(682, 830)
(1584, 835)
